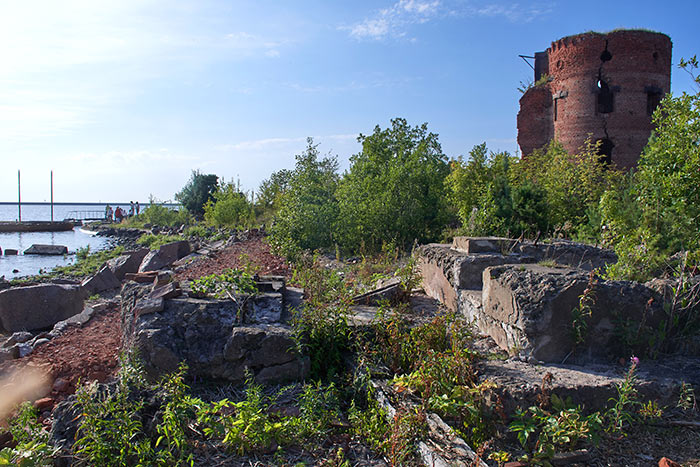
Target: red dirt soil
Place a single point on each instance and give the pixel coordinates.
(91, 352)
(83, 354)
(254, 252)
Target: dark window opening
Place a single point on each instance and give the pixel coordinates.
(605, 149)
(655, 55)
(653, 101)
(605, 98)
(556, 108)
(605, 56)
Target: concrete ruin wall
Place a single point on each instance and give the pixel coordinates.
(600, 85)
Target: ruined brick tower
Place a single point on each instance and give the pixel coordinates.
(605, 85)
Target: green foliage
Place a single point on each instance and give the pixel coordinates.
(198, 190)
(225, 285)
(322, 332)
(250, 425)
(583, 312)
(271, 190)
(197, 231)
(622, 412)
(394, 190)
(308, 207)
(658, 214)
(155, 241)
(32, 440)
(562, 428)
(159, 215)
(395, 439)
(87, 263)
(228, 207)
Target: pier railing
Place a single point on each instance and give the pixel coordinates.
(85, 216)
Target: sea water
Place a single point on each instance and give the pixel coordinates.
(24, 265)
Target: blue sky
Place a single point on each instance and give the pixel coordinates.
(123, 99)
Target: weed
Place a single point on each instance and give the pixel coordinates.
(581, 314)
(621, 412)
(225, 285)
(153, 242)
(323, 333)
(686, 397)
(32, 448)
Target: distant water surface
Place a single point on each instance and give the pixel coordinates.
(73, 239)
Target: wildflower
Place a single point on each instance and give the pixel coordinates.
(634, 360)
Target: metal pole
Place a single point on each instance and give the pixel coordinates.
(19, 197)
(52, 196)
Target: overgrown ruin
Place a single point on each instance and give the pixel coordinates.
(599, 86)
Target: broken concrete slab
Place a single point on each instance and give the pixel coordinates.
(389, 292)
(11, 252)
(472, 245)
(529, 310)
(445, 271)
(38, 306)
(38, 249)
(165, 292)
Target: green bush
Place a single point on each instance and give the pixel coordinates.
(394, 190)
(198, 190)
(156, 214)
(308, 208)
(229, 207)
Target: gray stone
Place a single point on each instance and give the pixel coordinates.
(208, 335)
(9, 354)
(11, 252)
(265, 308)
(38, 306)
(40, 342)
(165, 292)
(127, 263)
(146, 306)
(24, 349)
(18, 337)
(103, 280)
(527, 309)
(165, 256)
(38, 249)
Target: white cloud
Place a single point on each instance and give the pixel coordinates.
(63, 63)
(267, 144)
(393, 22)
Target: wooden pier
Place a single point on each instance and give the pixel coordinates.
(36, 226)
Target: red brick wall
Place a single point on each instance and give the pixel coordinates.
(639, 60)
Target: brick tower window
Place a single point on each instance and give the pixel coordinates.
(653, 100)
(605, 100)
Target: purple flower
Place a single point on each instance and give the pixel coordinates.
(634, 360)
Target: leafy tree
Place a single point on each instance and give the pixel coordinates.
(659, 212)
(229, 207)
(270, 193)
(198, 190)
(394, 190)
(308, 207)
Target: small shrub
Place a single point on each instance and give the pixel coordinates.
(153, 242)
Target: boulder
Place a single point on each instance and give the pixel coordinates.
(127, 263)
(37, 249)
(211, 336)
(103, 280)
(529, 310)
(165, 256)
(18, 337)
(11, 252)
(38, 306)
